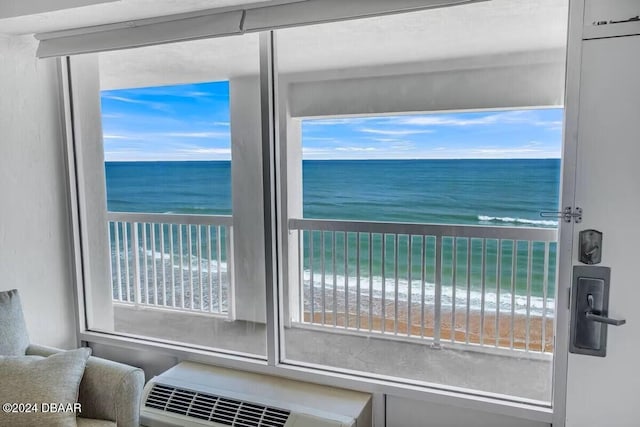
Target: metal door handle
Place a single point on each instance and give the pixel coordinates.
(604, 319)
(593, 316)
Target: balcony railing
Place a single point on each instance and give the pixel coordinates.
(171, 261)
(488, 287)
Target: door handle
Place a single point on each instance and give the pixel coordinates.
(604, 319)
(590, 309)
(595, 317)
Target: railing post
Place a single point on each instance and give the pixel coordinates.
(112, 260)
(437, 298)
(117, 250)
(231, 290)
(136, 263)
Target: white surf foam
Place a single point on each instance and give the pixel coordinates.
(510, 220)
(536, 305)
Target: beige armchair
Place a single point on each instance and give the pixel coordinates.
(109, 392)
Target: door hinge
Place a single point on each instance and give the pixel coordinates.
(567, 214)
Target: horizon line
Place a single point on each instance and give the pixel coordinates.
(366, 159)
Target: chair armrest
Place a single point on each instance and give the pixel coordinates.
(108, 390)
(111, 391)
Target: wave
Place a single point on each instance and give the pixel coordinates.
(537, 222)
(193, 263)
(536, 306)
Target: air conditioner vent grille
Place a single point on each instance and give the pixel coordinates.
(209, 407)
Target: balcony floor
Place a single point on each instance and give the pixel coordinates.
(510, 375)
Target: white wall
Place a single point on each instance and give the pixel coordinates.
(34, 238)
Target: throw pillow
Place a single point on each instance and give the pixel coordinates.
(38, 391)
(14, 339)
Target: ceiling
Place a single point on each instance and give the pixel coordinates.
(479, 33)
(476, 34)
(67, 16)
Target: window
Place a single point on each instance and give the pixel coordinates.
(177, 196)
(414, 183)
(414, 154)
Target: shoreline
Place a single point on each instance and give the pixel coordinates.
(512, 330)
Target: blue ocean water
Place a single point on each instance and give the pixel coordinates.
(499, 192)
(508, 192)
(162, 187)
(432, 191)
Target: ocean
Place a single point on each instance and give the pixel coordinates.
(509, 192)
(497, 192)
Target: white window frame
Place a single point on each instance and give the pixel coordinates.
(79, 132)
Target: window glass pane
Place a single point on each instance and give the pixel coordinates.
(174, 116)
(420, 150)
(168, 149)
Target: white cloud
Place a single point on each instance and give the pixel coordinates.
(508, 117)
(154, 136)
(403, 146)
(217, 151)
(386, 139)
(198, 134)
(551, 124)
(123, 99)
(120, 137)
(320, 138)
(393, 132)
(196, 94)
(532, 150)
(450, 121)
(406, 151)
(203, 94)
(181, 154)
(313, 151)
(504, 151)
(356, 149)
(154, 105)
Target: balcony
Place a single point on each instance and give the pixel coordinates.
(474, 286)
(179, 262)
(481, 290)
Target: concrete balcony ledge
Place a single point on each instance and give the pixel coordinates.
(515, 375)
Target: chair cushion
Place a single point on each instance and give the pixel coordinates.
(35, 380)
(14, 339)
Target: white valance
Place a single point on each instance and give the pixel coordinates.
(212, 23)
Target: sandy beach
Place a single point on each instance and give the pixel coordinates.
(511, 330)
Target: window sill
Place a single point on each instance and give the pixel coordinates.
(496, 404)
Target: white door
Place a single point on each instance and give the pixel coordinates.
(606, 391)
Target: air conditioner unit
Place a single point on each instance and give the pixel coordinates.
(195, 395)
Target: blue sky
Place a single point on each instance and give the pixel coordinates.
(191, 122)
(182, 122)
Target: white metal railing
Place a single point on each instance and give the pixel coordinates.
(491, 287)
(182, 262)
